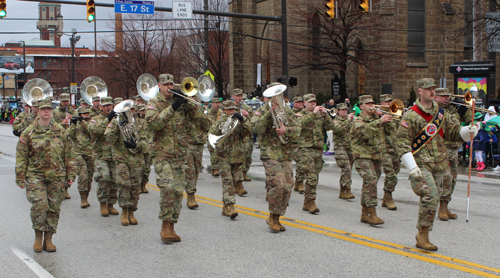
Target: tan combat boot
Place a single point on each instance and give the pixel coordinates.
(246, 178)
(241, 191)
(112, 210)
(124, 217)
(342, 193)
(215, 173)
(104, 209)
(175, 237)
(305, 207)
(47, 242)
(37, 246)
(442, 214)
(388, 202)
(225, 210)
(66, 194)
(282, 228)
(267, 196)
(131, 218)
(83, 197)
(296, 187)
(232, 211)
(301, 188)
(144, 189)
(374, 219)
(423, 239)
(272, 221)
(191, 201)
(450, 215)
(364, 215)
(348, 194)
(166, 232)
(312, 207)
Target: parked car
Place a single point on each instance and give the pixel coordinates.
(12, 65)
(255, 104)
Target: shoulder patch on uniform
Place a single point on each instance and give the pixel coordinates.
(298, 115)
(258, 113)
(440, 116)
(17, 118)
(110, 125)
(405, 124)
(94, 121)
(22, 140)
(335, 122)
(151, 107)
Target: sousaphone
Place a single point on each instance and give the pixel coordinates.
(36, 89)
(147, 86)
(91, 87)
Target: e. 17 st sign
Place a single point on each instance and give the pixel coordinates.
(134, 7)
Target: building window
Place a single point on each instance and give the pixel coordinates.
(50, 73)
(316, 37)
(51, 9)
(468, 39)
(51, 18)
(43, 9)
(50, 61)
(44, 63)
(416, 30)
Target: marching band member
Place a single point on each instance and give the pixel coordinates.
(262, 138)
(142, 124)
(230, 154)
(368, 148)
(298, 105)
(167, 118)
(95, 110)
(139, 100)
(213, 114)
(105, 167)
(422, 134)
(45, 163)
(83, 104)
(28, 120)
(247, 112)
(16, 125)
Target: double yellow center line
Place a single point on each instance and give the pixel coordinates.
(450, 262)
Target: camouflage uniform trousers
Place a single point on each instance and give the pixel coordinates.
(345, 162)
(279, 176)
(391, 166)
(171, 179)
(450, 176)
(299, 176)
(129, 181)
(429, 187)
(104, 175)
(370, 171)
(229, 176)
(147, 169)
(45, 197)
(245, 167)
(213, 158)
(311, 164)
(85, 172)
(193, 166)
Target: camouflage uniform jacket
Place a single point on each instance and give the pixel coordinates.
(45, 152)
(81, 138)
(391, 137)
(262, 138)
(313, 127)
(232, 149)
(249, 109)
(275, 150)
(28, 120)
(59, 114)
(213, 114)
(197, 130)
(296, 110)
(342, 134)
(141, 124)
(368, 137)
(455, 118)
(16, 125)
(298, 113)
(100, 147)
(94, 112)
(169, 126)
(434, 154)
(120, 153)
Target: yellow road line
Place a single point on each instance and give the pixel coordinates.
(390, 247)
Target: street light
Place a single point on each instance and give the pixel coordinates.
(73, 41)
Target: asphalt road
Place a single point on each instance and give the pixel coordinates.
(332, 243)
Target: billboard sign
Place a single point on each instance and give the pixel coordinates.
(15, 64)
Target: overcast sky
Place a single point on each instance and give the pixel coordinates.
(22, 17)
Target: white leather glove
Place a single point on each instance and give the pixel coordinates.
(410, 164)
(466, 131)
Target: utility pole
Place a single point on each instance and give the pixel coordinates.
(476, 31)
(73, 41)
(207, 49)
(284, 47)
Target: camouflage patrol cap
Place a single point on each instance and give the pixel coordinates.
(64, 97)
(426, 83)
(138, 97)
(141, 107)
(217, 100)
(96, 98)
(386, 97)
(51, 98)
(442, 92)
(34, 103)
(366, 99)
(228, 104)
(118, 100)
(166, 78)
(309, 97)
(236, 92)
(106, 101)
(83, 110)
(297, 99)
(245, 96)
(44, 103)
(341, 106)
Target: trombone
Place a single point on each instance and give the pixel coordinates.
(468, 103)
(395, 108)
(204, 87)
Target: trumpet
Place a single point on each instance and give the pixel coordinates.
(395, 108)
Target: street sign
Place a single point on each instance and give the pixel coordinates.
(74, 88)
(182, 10)
(209, 73)
(134, 7)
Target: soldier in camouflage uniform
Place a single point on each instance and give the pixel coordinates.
(83, 104)
(82, 139)
(64, 112)
(230, 154)
(390, 163)
(117, 100)
(247, 112)
(16, 125)
(139, 100)
(314, 121)
(277, 158)
(368, 148)
(197, 136)
(129, 159)
(213, 114)
(94, 110)
(168, 118)
(426, 160)
(262, 137)
(105, 167)
(45, 163)
(28, 120)
(298, 105)
(457, 115)
(142, 125)
(343, 153)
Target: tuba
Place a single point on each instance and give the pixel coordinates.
(127, 129)
(91, 87)
(226, 129)
(278, 114)
(36, 89)
(147, 86)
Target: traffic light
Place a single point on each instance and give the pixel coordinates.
(90, 10)
(330, 12)
(3, 8)
(364, 6)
